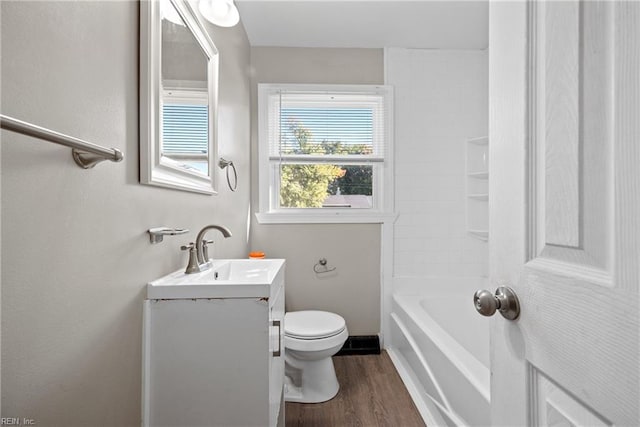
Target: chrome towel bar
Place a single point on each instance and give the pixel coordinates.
(85, 154)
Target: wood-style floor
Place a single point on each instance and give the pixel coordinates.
(371, 394)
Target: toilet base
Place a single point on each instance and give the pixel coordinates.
(310, 381)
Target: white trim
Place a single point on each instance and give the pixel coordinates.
(329, 158)
(387, 238)
(345, 88)
(386, 279)
(146, 363)
(327, 216)
(185, 96)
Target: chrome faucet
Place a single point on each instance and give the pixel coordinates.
(201, 251)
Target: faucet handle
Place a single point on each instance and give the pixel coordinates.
(192, 266)
(205, 249)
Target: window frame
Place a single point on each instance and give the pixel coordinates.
(268, 173)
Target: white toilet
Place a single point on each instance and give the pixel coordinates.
(310, 339)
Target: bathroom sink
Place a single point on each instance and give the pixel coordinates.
(227, 278)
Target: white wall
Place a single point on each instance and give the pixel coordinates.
(440, 101)
(75, 254)
(353, 290)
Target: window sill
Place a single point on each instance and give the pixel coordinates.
(325, 218)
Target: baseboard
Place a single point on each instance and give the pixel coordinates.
(361, 344)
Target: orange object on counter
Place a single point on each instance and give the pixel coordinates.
(256, 255)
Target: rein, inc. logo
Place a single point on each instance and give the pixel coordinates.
(11, 421)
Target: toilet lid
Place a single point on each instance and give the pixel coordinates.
(312, 324)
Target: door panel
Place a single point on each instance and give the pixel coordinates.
(572, 357)
(571, 113)
(555, 407)
(559, 107)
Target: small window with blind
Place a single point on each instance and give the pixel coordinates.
(324, 152)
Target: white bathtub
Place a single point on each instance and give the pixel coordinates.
(440, 346)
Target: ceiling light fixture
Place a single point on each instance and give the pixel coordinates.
(222, 13)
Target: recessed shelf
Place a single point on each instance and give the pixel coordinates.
(477, 187)
(482, 196)
(479, 175)
(479, 234)
(483, 140)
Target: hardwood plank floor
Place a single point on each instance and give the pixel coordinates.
(371, 394)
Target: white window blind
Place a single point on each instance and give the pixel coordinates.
(185, 123)
(185, 129)
(324, 126)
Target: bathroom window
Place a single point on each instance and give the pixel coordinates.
(325, 153)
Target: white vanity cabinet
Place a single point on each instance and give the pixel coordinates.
(215, 357)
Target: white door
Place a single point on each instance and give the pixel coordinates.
(564, 201)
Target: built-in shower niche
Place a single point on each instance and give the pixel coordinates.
(477, 187)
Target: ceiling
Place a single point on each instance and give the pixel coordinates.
(427, 24)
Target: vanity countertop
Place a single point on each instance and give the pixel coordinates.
(227, 278)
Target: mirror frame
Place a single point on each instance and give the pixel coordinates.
(154, 170)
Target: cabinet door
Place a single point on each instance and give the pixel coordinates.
(206, 362)
(276, 354)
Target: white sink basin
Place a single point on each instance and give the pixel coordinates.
(245, 270)
(227, 278)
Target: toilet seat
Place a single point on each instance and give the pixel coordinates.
(312, 324)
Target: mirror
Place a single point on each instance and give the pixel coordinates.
(178, 98)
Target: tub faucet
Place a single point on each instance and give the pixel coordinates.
(200, 244)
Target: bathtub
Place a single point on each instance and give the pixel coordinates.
(440, 346)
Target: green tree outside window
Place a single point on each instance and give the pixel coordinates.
(308, 185)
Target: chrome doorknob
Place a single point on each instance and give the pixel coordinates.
(485, 302)
(505, 301)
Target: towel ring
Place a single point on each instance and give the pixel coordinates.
(224, 164)
(322, 267)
